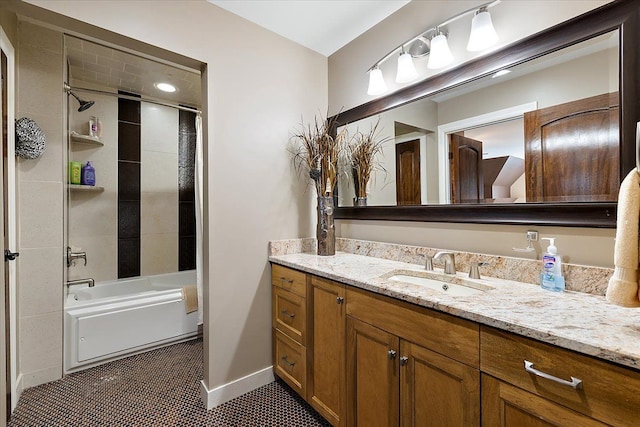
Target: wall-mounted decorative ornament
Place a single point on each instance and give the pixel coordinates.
(30, 139)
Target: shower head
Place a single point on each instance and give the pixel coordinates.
(84, 105)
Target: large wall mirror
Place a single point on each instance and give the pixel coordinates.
(548, 143)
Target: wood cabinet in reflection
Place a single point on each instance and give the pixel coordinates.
(572, 151)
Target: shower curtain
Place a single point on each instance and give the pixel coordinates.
(199, 201)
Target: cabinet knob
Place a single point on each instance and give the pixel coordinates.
(404, 360)
(284, 359)
(340, 300)
(286, 313)
(392, 354)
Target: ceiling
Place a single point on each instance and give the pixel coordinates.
(96, 66)
(321, 25)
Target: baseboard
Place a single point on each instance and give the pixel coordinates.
(226, 392)
(17, 392)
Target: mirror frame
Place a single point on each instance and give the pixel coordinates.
(622, 15)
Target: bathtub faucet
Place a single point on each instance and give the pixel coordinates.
(88, 281)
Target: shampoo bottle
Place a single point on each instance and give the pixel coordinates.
(88, 174)
(551, 277)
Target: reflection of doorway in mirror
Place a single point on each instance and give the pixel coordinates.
(408, 173)
(502, 136)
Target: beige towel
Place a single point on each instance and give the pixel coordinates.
(190, 295)
(623, 285)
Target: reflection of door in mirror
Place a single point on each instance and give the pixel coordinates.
(408, 173)
(465, 168)
(572, 151)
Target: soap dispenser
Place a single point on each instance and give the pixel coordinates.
(551, 277)
(88, 174)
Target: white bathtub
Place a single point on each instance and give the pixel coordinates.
(125, 316)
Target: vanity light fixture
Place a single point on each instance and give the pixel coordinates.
(377, 86)
(406, 69)
(433, 42)
(483, 35)
(165, 87)
(440, 55)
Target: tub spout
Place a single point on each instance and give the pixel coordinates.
(88, 281)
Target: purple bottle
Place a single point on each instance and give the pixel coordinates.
(88, 174)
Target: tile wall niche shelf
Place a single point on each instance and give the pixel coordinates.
(86, 139)
(89, 188)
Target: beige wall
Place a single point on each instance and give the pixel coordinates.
(348, 86)
(258, 86)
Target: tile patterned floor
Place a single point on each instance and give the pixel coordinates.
(157, 388)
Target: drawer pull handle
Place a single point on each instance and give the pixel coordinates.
(286, 313)
(575, 383)
(284, 279)
(284, 358)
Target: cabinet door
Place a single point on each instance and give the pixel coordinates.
(372, 376)
(326, 384)
(436, 390)
(505, 405)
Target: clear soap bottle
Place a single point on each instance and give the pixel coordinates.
(551, 277)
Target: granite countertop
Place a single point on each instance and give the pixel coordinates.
(573, 320)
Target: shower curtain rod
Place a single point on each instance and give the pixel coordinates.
(134, 98)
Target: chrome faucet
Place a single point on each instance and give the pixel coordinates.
(88, 281)
(449, 261)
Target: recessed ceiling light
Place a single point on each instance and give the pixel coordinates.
(165, 87)
(500, 73)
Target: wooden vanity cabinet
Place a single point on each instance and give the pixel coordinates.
(607, 395)
(409, 366)
(326, 349)
(289, 322)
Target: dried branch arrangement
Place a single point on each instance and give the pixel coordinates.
(317, 152)
(361, 157)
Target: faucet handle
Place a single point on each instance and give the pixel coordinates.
(428, 262)
(474, 270)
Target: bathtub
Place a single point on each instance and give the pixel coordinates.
(125, 316)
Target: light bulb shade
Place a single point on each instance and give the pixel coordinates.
(440, 55)
(406, 70)
(377, 86)
(483, 35)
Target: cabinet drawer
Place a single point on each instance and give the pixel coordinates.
(445, 334)
(290, 362)
(291, 280)
(608, 392)
(289, 314)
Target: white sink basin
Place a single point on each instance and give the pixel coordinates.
(453, 286)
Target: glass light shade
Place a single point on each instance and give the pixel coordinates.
(440, 55)
(483, 35)
(377, 86)
(406, 70)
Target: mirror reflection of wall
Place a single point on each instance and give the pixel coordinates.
(579, 72)
(140, 217)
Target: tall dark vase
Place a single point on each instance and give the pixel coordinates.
(326, 232)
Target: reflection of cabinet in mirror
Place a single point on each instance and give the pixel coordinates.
(572, 151)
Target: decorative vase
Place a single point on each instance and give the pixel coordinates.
(326, 232)
(359, 201)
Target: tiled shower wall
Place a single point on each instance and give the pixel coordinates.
(186, 188)
(128, 188)
(40, 196)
